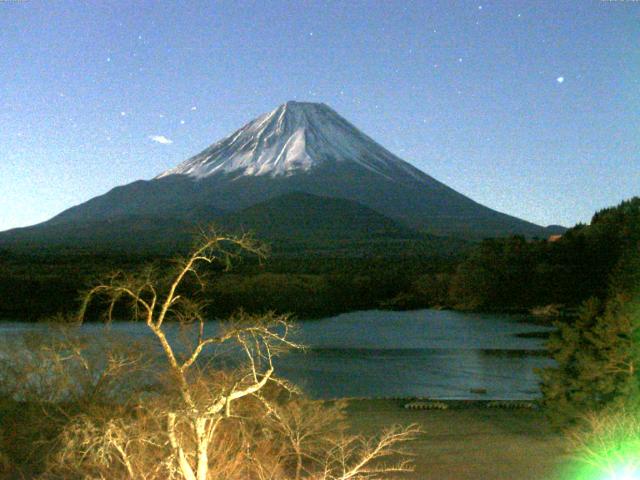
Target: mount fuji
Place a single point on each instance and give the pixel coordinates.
(300, 156)
(294, 138)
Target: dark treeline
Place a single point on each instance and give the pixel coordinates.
(505, 274)
(317, 286)
(40, 285)
(37, 286)
(596, 352)
(514, 273)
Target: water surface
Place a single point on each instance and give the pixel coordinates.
(421, 353)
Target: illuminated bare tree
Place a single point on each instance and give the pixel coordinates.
(260, 341)
(218, 412)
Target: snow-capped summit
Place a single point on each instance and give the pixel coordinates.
(294, 137)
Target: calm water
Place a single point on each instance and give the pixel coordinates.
(422, 353)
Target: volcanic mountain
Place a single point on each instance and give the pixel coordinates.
(299, 147)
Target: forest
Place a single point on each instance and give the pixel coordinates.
(512, 274)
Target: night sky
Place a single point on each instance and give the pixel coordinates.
(529, 107)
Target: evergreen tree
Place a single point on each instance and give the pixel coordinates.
(598, 355)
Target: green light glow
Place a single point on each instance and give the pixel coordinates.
(629, 472)
(612, 452)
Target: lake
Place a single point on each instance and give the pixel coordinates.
(420, 353)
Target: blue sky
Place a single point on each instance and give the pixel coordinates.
(529, 107)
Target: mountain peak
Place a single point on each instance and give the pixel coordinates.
(295, 104)
(309, 108)
(293, 138)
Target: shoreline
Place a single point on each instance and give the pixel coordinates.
(453, 403)
(470, 443)
(546, 320)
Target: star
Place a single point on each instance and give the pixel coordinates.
(181, 122)
(460, 60)
(108, 59)
(193, 109)
(479, 7)
(560, 79)
(123, 114)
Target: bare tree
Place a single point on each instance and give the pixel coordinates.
(62, 364)
(358, 458)
(199, 415)
(51, 376)
(238, 421)
(323, 450)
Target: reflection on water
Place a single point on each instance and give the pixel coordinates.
(422, 353)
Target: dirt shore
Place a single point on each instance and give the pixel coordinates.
(474, 443)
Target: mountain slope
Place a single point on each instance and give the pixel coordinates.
(292, 223)
(139, 234)
(305, 217)
(299, 147)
